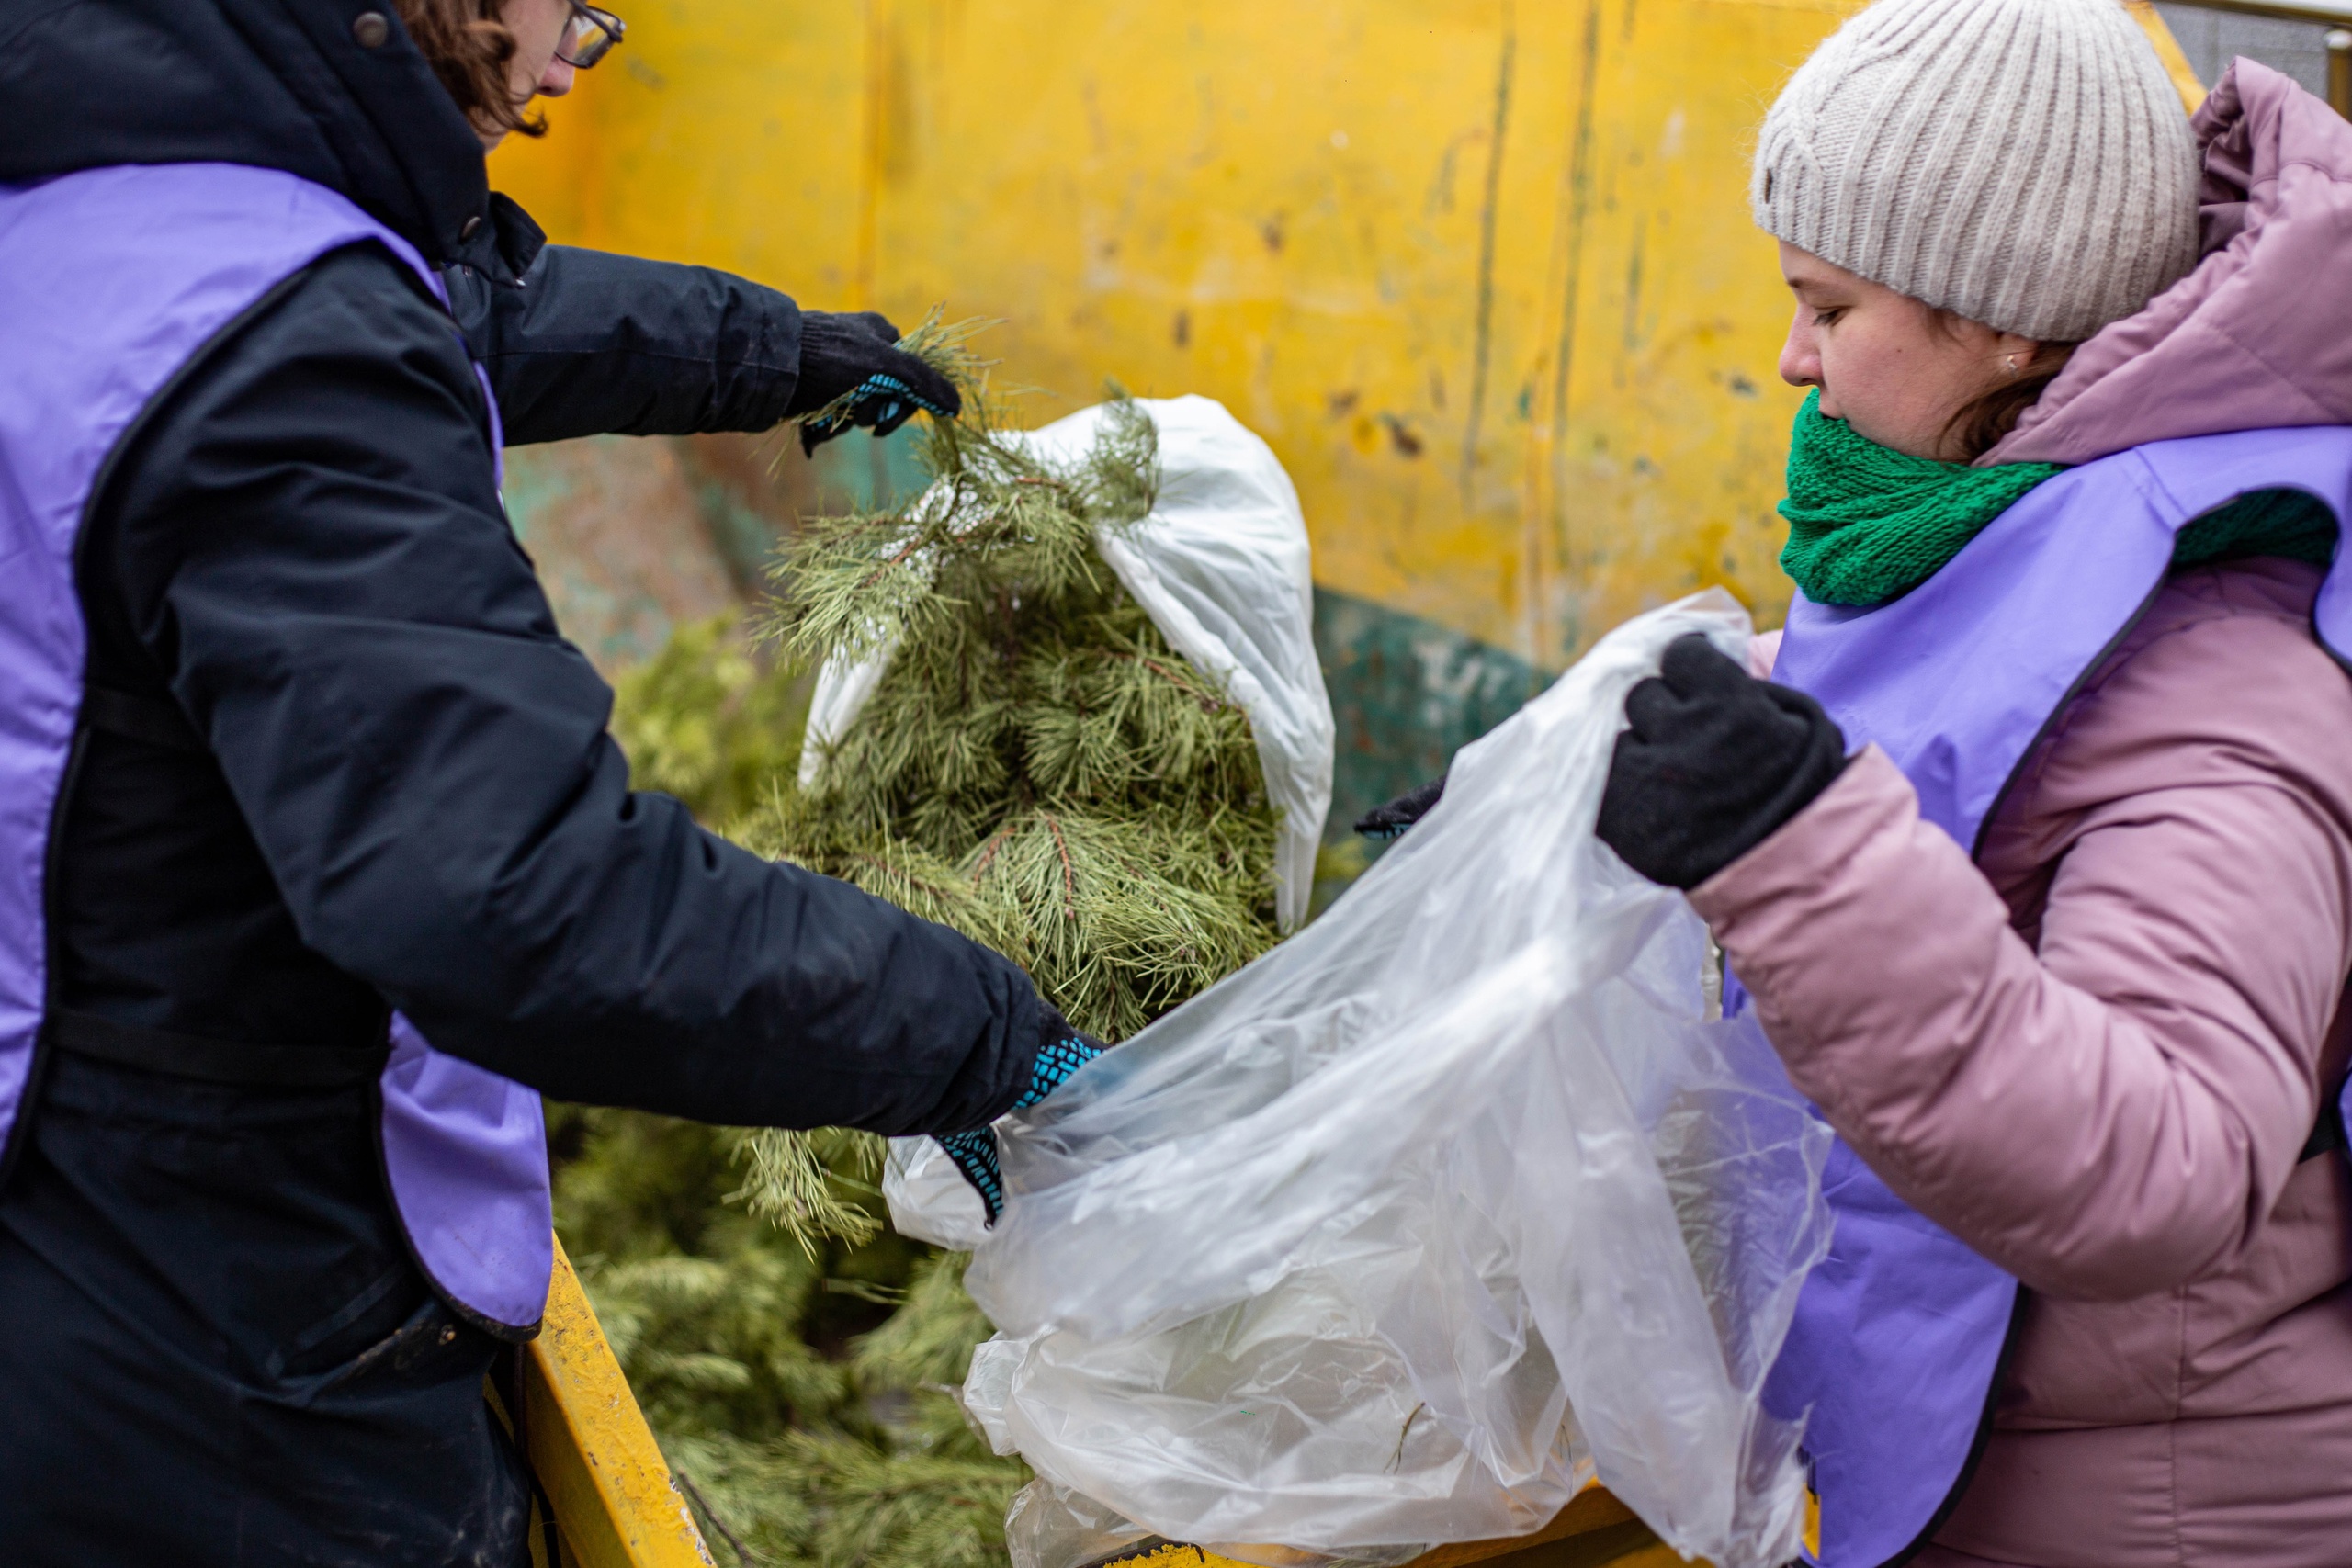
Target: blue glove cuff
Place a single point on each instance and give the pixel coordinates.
(882, 403)
(974, 1154)
(1056, 1063)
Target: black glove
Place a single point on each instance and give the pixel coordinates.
(975, 1153)
(1714, 761)
(1390, 821)
(858, 357)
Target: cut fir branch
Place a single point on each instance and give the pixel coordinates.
(1037, 767)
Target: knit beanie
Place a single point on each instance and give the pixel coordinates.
(2025, 163)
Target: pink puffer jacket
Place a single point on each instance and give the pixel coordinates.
(2095, 1054)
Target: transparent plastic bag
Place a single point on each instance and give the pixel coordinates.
(930, 1200)
(1400, 1234)
(1220, 564)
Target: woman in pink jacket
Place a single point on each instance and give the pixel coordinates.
(2034, 857)
(2061, 952)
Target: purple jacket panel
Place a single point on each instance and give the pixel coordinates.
(466, 1158)
(111, 280)
(1899, 1332)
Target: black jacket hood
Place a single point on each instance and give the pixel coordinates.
(280, 83)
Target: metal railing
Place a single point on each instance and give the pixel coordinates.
(2334, 14)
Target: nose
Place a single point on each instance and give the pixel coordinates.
(1800, 356)
(556, 80)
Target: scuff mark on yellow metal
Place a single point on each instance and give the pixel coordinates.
(1482, 334)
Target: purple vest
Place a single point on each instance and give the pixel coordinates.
(110, 281)
(1901, 1331)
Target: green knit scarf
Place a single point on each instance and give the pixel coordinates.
(1868, 523)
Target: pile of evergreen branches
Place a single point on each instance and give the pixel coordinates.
(1036, 768)
(801, 1392)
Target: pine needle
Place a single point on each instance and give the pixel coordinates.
(792, 1184)
(1037, 768)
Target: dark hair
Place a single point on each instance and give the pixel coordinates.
(470, 50)
(1979, 424)
(1985, 418)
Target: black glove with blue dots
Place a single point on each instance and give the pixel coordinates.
(858, 356)
(975, 1153)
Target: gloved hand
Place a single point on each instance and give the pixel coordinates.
(975, 1153)
(858, 355)
(1390, 821)
(1714, 761)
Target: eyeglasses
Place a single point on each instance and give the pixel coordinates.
(589, 36)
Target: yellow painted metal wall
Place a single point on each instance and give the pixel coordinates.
(1480, 270)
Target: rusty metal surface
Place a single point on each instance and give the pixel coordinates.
(615, 529)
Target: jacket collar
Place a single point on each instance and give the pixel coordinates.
(285, 84)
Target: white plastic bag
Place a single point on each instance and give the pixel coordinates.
(1220, 564)
(1393, 1238)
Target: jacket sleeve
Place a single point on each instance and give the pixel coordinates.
(591, 343)
(2116, 1111)
(315, 555)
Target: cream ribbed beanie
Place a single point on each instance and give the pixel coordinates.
(2023, 162)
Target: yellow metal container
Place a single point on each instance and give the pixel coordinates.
(1481, 272)
(612, 1501)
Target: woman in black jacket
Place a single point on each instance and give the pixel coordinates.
(312, 769)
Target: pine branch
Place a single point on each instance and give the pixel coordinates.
(1036, 768)
(792, 1183)
(710, 1517)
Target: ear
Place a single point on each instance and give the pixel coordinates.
(2014, 354)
